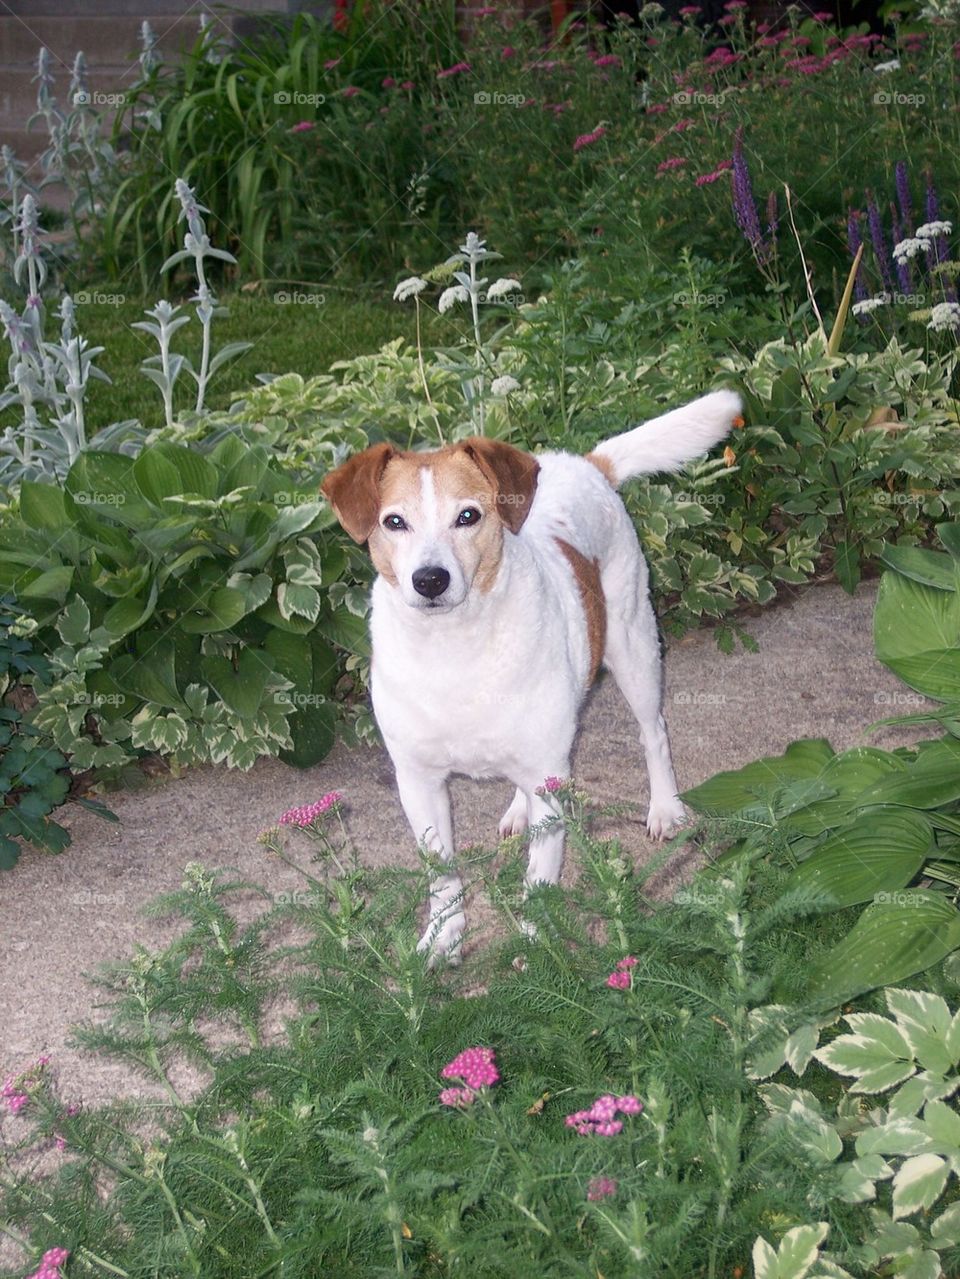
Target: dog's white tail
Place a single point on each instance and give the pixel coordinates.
(665, 443)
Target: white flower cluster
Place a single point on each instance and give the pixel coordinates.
(868, 305)
(945, 315)
(456, 293)
(504, 385)
(502, 288)
(409, 288)
(909, 248)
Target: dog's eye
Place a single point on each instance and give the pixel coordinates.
(395, 523)
(468, 517)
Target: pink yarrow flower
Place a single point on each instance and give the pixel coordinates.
(461, 1098)
(50, 1265)
(476, 1067)
(690, 11)
(303, 126)
(308, 813)
(600, 1120)
(620, 978)
(350, 91)
(458, 68)
(601, 1188)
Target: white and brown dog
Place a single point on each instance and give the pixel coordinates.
(504, 582)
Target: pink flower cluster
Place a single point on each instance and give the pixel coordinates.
(552, 784)
(13, 1091)
(601, 1188)
(674, 162)
(307, 814)
(619, 979)
(477, 1068)
(706, 178)
(303, 126)
(600, 1120)
(587, 140)
(458, 68)
(53, 1259)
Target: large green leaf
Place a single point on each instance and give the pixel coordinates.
(752, 787)
(170, 470)
(151, 674)
(916, 631)
(880, 854)
(224, 608)
(313, 731)
(242, 685)
(42, 507)
(130, 614)
(931, 568)
(933, 779)
(890, 941)
(52, 584)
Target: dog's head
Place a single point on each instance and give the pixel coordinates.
(435, 522)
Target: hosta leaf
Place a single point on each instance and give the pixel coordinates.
(222, 610)
(241, 686)
(916, 631)
(932, 568)
(747, 788)
(881, 853)
(42, 507)
(918, 1184)
(890, 941)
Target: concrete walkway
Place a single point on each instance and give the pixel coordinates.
(814, 676)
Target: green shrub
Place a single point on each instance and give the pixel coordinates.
(872, 827)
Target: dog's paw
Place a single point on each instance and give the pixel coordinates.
(442, 940)
(665, 818)
(515, 820)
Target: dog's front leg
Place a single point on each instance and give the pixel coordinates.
(426, 802)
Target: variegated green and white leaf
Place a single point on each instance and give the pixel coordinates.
(925, 1022)
(778, 1098)
(911, 1097)
(897, 1137)
(827, 1269)
(918, 1184)
(943, 1125)
(945, 1229)
(858, 1182)
(798, 1251)
(877, 1053)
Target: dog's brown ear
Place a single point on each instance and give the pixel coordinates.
(513, 474)
(353, 490)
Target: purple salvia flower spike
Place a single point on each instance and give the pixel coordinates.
(902, 180)
(744, 205)
(878, 240)
(904, 269)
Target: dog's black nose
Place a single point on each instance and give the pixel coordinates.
(431, 582)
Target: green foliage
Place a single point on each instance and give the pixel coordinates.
(322, 1146)
(34, 778)
(868, 826)
(184, 601)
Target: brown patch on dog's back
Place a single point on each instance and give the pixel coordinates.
(587, 574)
(604, 466)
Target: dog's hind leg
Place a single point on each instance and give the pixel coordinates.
(633, 656)
(426, 802)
